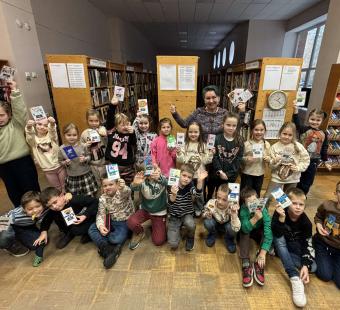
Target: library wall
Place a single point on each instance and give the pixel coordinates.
(72, 27)
(265, 39)
(21, 48)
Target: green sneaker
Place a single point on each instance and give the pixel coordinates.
(37, 261)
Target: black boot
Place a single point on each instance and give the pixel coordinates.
(111, 258)
(104, 250)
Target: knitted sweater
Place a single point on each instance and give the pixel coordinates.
(12, 138)
(96, 149)
(290, 154)
(45, 149)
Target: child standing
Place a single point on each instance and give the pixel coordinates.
(24, 221)
(120, 147)
(327, 239)
(153, 207)
(292, 231)
(80, 179)
(42, 138)
(255, 225)
(315, 142)
(288, 158)
(163, 156)
(84, 207)
(220, 215)
(181, 207)
(144, 138)
(256, 155)
(229, 152)
(110, 230)
(95, 138)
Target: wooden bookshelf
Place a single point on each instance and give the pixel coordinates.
(101, 76)
(331, 105)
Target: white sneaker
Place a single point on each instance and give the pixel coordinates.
(298, 289)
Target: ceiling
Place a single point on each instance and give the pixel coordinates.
(196, 24)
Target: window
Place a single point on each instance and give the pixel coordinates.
(224, 56)
(214, 61)
(218, 59)
(231, 52)
(308, 47)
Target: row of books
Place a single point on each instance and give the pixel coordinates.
(334, 148)
(103, 113)
(252, 80)
(335, 115)
(98, 78)
(117, 78)
(333, 133)
(100, 97)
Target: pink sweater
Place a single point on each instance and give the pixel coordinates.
(162, 156)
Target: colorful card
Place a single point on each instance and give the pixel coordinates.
(329, 223)
(38, 113)
(119, 93)
(171, 141)
(143, 106)
(70, 152)
(112, 172)
(94, 136)
(281, 198)
(7, 73)
(301, 98)
(69, 216)
(174, 177)
(148, 165)
(234, 192)
(4, 222)
(211, 141)
(257, 150)
(245, 95)
(180, 139)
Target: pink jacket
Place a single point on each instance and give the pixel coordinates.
(162, 156)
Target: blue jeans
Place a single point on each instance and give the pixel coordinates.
(212, 226)
(328, 261)
(290, 255)
(27, 235)
(118, 234)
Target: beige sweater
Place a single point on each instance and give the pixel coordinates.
(256, 167)
(12, 138)
(290, 153)
(45, 149)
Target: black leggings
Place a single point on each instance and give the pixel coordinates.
(252, 181)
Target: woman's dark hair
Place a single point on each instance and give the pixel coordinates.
(238, 138)
(199, 140)
(213, 88)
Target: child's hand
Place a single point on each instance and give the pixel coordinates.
(102, 131)
(295, 107)
(178, 149)
(174, 190)
(172, 109)
(280, 211)
(241, 107)
(207, 214)
(80, 219)
(277, 159)
(261, 259)
(121, 184)
(42, 239)
(202, 174)
(130, 129)
(51, 120)
(266, 158)
(12, 85)
(213, 150)
(304, 274)
(139, 178)
(321, 230)
(66, 162)
(103, 230)
(82, 158)
(258, 214)
(250, 158)
(30, 123)
(223, 176)
(293, 167)
(234, 208)
(114, 100)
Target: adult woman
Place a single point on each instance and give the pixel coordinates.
(210, 117)
(17, 168)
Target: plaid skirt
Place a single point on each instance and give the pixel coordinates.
(127, 173)
(81, 185)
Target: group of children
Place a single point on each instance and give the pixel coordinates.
(76, 177)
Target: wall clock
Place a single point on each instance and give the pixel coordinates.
(277, 100)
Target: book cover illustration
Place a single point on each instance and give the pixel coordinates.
(69, 216)
(148, 165)
(281, 198)
(301, 98)
(180, 139)
(119, 93)
(38, 113)
(70, 152)
(171, 142)
(112, 172)
(94, 136)
(211, 141)
(7, 73)
(143, 106)
(174, 177)
(329, 223)
(257, 150)
(234, 192)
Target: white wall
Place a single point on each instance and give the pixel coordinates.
(265, 39)
(72, 27)
(21, 47)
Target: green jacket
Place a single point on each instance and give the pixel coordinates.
(265, 223)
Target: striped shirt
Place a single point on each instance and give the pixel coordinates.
(19, 217)
(184, 201)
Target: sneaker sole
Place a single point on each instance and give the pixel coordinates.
(133, 247)
(256, 279)
(248, 284)
(16, 255)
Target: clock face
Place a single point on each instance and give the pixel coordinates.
(277, 100)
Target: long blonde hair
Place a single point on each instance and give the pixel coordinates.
(292, 126)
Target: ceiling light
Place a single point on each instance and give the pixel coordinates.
(183, 41)
(182, 33)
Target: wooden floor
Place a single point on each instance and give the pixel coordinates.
(153, 277)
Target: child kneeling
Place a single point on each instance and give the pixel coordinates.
(254, 225)
(110, 230)
(181, 208)
(292, 231)
(153, 207)
(221, 215)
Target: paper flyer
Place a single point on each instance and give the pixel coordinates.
(112, 172)
(257, 150)
(234, 192)
(7, 73)
(38, 113)
(174, 177)
(119, 93)
(281, 198)
(148, 165)
(94, 136)
(171, 141)
(70, 152)
(211, 141)
(69, 216)
(301, 98)
(180, 139)
(143, 106)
